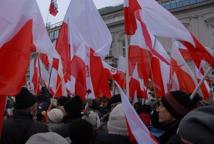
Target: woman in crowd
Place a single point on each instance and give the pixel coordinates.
(173, 107)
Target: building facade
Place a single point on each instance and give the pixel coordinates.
(196, 15)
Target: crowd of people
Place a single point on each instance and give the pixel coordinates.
(42, 119)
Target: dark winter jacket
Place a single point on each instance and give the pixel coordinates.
(20, 127)
(170, 136)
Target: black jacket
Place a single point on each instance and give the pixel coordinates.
(170, 136)
(19, 128)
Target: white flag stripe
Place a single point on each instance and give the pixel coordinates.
(138, 128)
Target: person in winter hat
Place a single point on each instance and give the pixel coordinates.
(117, 122)
(55, 115)
(174, 106)
(46, 138)
(73, 109)
(21, 126)
(197, 127)
(117, 128)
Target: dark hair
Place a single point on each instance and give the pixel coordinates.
(74, 107)
(81, 132)
(62, 100)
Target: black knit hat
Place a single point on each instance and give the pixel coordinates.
(24, 99)
(177, 103)
(81, 132)
(197, 127)
(74, 107)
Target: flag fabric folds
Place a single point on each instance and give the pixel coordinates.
(22, 31)
(146, 22)
(139, 130)
(83, 31)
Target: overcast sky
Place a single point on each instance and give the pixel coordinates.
(63, 5)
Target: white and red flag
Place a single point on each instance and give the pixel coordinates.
(22, 31)
(138, 129)
(83, 28)
(162, 23)
(53, 8)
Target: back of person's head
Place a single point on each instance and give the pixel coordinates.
(116, 99)
(55, 115)
(196, 100)
(197, 126)
(138, 107)
(46, 138)
(62, 100)
(117, 122)
(24, 99)
(74, 107)
(177, 103)
(82, 132)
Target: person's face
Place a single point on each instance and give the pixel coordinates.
(164, 115)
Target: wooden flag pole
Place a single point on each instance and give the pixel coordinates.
(49, 80)
(39, 65)
(200, 83)
(127, 64)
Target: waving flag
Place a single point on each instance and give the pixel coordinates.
(22, 31)
(83, 15)
(83, 30)
(162, 23)
(139, 130)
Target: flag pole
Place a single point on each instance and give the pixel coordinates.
(200, 83)
(49, 80)
(60, 84)
(127, 64)
(40, 73)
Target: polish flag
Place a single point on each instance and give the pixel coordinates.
(99, 77)
(34, 75)
(39, 69)
(83, 27)
(22, 31)
(162, 23)
(195, 73)
(152, 59)
(85, 18)
(136, 85)
(114, 74)
(53, 8)
(138, 129)
(181, 69)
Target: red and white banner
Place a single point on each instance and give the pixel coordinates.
(22, 31)
(138, 129)
(83, 30)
